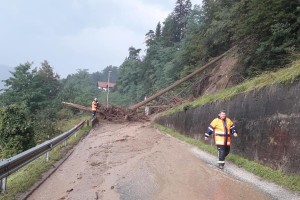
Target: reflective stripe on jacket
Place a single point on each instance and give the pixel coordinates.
(94, 106)
(222, 129)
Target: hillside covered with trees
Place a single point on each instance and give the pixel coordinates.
(267, 35)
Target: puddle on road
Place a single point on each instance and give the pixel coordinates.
(140, 183)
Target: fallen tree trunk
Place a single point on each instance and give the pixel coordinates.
(180, 81)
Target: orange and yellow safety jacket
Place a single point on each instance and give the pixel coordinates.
(94, 105)
(222, 129)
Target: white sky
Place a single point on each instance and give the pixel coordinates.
(76, 34)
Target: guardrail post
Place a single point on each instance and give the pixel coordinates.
(65, 143)
(47, 156)
(87, 122)
(3, 185)
(93, 121)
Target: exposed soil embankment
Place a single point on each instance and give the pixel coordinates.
(222, 74)
(268, 122)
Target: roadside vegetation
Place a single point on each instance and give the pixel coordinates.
(27, 176)
(291, 182)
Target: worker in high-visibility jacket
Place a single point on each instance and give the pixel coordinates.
(95, 106)
(223, 128)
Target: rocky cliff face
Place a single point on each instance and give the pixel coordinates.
(268, 123)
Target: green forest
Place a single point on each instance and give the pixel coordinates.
(265, 32)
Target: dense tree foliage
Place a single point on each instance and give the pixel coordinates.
(31, 103)
(267, 33)
(34, 89)
(16, 131)
(34, 92)
(81, 87)
(181, 14)
(103, 75)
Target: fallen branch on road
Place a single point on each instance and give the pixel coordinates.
(112, 113)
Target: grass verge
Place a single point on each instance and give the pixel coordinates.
(286, 75)
(291, 182)
(24, 178)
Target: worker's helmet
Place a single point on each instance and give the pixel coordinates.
(95, 99)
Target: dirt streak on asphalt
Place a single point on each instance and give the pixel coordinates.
(135, 161)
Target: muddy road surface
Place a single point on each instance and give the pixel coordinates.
(136, 161)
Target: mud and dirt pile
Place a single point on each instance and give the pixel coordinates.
(112, 113)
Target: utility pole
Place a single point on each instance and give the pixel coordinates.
(107, 88)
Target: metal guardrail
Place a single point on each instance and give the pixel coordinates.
(11, 165)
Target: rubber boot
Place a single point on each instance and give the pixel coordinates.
(221, 165)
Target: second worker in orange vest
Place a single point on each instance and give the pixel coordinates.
(222, 127)
(95, 106)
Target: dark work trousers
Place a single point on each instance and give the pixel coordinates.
(223, 151)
